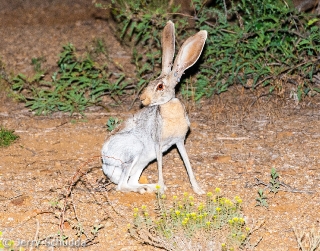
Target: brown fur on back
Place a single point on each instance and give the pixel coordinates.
(175, 122)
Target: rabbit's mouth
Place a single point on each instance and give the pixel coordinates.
(145, 100)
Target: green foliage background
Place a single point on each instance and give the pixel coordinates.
(256, 44)
(252, 43)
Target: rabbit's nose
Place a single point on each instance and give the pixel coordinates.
(145, 99)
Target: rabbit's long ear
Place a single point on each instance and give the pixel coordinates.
(167, 41)
(189, 53)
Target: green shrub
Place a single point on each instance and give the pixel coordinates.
(268, 44)
(78, 84)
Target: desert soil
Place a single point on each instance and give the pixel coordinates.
(235, 140)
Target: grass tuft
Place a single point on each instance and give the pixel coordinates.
(7, 137)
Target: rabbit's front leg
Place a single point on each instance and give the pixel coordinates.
(160, 173)
(196, 188)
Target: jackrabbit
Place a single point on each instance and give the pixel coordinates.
(156, 127)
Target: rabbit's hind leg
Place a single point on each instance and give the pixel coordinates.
(112, 172)
(129, 183)
(136, 173)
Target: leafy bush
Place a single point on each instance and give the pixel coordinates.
(77, 84)
(268, 44)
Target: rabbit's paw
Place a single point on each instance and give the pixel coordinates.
(147, 188)
(198, 190)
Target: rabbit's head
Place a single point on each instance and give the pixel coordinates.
(162, 89)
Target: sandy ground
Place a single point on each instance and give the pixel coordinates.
(235, 140)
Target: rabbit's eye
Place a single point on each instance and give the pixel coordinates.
(160, 87)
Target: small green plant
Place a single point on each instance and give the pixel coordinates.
(55, 204)
(99, 47)
(3, 73)
(37, 64)
(261, 200)
(96, 229)
(7, 137)
(112, 123)
(274, 182)
(214, 224)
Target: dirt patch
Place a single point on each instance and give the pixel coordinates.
(235, 140)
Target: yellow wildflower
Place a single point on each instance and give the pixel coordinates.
(193, 215)
(201, 206)
(228, 202)
(185, 221)
(238, 199)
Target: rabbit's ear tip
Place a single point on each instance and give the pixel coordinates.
(170, 23)
(203, 33)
